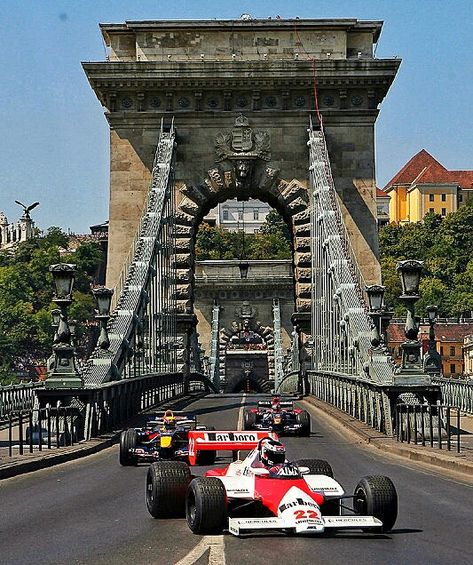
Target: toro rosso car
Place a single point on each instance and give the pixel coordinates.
(165, 436)
(277, 416)
(264, 491)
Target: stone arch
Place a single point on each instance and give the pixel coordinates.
(242, 172)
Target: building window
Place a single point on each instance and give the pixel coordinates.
(431, 197)
(225, 214)
(444, 198)
(240, 214)
(441, 350)
(452, 351)
(452, 368)
(460, 198)
(444, 211)
(255, 214)
(431, 210)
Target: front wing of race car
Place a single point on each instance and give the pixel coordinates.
(305, 525)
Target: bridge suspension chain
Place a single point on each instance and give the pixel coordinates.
(142, 327)
(341, 326)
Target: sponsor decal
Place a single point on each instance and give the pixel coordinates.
(231, 436)
(297, 502)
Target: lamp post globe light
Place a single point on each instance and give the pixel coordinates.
(432, 359)
(63, 372)
(103, 298)
(375, 295)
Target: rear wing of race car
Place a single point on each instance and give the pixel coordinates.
(206, 440)
(285, 404)
(182, 419)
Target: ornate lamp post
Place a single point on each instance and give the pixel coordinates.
(432, 359)
(103, 297)
(375, 294)
(63, 372)
(56, 317)
(410, 272)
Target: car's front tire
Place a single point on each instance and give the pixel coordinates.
(128, 440)
(249, 420)
(376, 496)
(304, 420)
(206, 506)
(166, 486)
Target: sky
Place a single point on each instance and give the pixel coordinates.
(54, 143)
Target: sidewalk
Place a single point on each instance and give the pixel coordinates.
(441, 459)
(19, 464)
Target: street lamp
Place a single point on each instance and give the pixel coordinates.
(375, 293)
(410, 272)
(63, 372)
(432, 359)
(56, 317)
(103, 297)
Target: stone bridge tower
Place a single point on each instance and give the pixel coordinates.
(242, 88)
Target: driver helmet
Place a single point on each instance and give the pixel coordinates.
(169, 421)
(272, 452)
(276, 403)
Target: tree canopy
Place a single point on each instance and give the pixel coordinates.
(26, 292)
(446, 247)
(273, 241)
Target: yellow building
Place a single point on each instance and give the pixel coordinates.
(423, 185)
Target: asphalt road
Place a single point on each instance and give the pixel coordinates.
(92, 511)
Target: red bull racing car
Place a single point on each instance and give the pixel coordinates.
(264, 491)
(278, 416)
(165, 436)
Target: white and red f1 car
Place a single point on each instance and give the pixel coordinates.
(301, 497)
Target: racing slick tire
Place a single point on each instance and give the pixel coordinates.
(128, 439)
(249, 420)
(166, 486)
(316, 466)
(206, 506)
(322, 467)
(304, 420)
(376, 496)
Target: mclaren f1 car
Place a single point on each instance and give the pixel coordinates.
(300, 497)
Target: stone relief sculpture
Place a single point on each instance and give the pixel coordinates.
(242, 147)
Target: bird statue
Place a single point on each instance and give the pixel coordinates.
(27, 209)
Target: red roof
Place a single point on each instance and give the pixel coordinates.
(423, 168)
(452, 332)
(381, 194)
(416, 166)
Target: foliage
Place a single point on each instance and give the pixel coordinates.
(26, 292)
(272, 242)
(446, 247)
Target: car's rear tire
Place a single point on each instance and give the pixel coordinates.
(249, 420)
(304, 420)
(316, 466)
(206, 506)
(376, 496)
(322, 467)
(166, 487)
(128, 440)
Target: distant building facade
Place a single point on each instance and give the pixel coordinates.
(450, 338)
(424, 185)
(14, 232)
(233, 215)
(382, 208)
(468, 356)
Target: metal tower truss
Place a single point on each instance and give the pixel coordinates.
(142, 327)
(278, 349)
(341, 326)
(214, 372)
